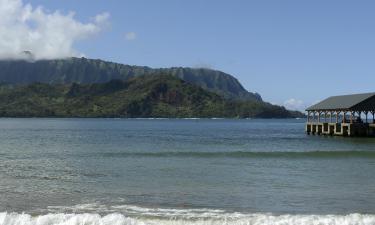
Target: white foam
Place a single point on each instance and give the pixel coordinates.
(119, 219)
(133, 210)
(123, 214)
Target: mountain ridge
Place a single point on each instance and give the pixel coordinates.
(87, 71)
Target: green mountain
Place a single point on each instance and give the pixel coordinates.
(143, 96)
(89, 71)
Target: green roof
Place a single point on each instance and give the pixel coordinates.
(343, 102)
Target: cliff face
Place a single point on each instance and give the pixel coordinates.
(89, 71)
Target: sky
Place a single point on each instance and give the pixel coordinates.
(293, 53)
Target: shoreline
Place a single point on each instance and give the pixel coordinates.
(118, 218)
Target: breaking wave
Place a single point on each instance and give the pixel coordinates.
(120, 219)
(96, 214)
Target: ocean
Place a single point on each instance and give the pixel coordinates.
(182, 171)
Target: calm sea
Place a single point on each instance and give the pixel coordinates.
(192, 171)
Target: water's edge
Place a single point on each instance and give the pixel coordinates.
(237, 219)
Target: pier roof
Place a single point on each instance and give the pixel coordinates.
(362, 102)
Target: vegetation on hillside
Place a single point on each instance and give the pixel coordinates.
(144, 96)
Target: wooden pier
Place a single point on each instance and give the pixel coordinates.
(346, 115)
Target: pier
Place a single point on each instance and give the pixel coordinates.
(345, 115)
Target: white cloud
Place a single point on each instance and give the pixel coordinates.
(102, 18)
(47, 35)
(294, 104)
(130, 36)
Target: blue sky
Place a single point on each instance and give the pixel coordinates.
(301, 50)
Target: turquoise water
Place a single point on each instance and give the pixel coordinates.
(144, 171)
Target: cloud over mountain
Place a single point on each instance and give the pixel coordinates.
(294, 104)
(47, 35)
